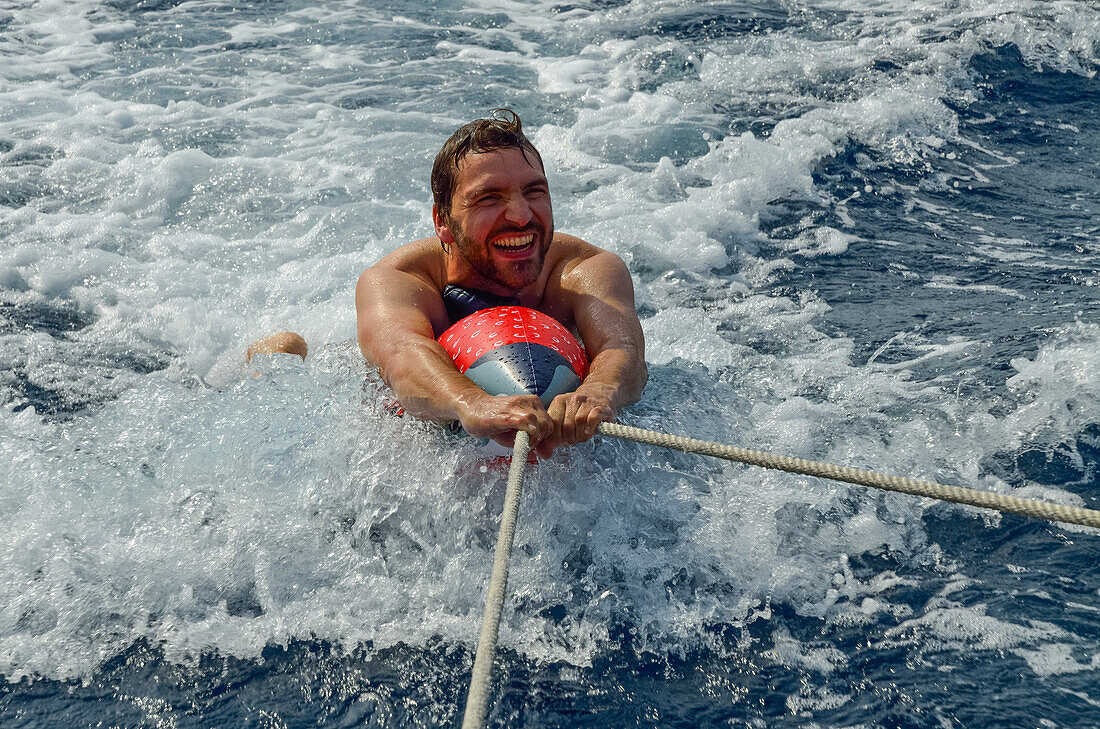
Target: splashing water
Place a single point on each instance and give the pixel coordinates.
(859, 233)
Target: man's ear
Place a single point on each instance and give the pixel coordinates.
(442, 226)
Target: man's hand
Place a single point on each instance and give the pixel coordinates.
(575, 416)
(500, 416)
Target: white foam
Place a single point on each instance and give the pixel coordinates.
(251, 32)
(950, 283)
(683, 333)
(821, 241)
(1059, 389)
(790, 652)
(1056, 659)
(564, 76)
(960, 628)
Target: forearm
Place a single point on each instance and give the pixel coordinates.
(425, 380)
(617, 375)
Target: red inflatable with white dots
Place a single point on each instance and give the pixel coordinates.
(510, 350)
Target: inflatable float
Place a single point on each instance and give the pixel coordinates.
(513, 350)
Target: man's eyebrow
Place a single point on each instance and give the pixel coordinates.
(477, 192)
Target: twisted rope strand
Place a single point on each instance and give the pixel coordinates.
(478, 696)
(956, 494)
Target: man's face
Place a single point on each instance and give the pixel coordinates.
(501, 221)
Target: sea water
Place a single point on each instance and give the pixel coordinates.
(859, 232)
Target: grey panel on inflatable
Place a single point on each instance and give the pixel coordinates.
(524, 369)
(499, 378)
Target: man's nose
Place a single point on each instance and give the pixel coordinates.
(518, 210)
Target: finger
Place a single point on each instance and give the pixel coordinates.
(527, 422)
(557, 407)
(569, 421)
(588, 417)
(563, 423)
(546, 426)
(583, 419)
(556, 411)
(595, 416)
(537, 421)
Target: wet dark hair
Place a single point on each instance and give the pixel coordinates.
(502, 130)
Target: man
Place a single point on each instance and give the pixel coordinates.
(494, 233)
(494, 240)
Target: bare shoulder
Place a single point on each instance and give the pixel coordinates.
(403, 286)
(421, 258)
(584, 265)
(585, 279)
(596, 296)
(414, 267)
(573, 250)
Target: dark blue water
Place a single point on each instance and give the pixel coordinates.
(860, 235)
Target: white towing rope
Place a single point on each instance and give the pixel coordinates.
(478, 696)
(498, 582)
(931, 489)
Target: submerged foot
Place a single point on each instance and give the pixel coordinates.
(281, 343)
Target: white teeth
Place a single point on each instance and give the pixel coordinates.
(515, 242)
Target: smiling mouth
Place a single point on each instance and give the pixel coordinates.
(514, 243)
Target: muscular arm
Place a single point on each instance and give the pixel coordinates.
(603, 308)
(394, 310)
